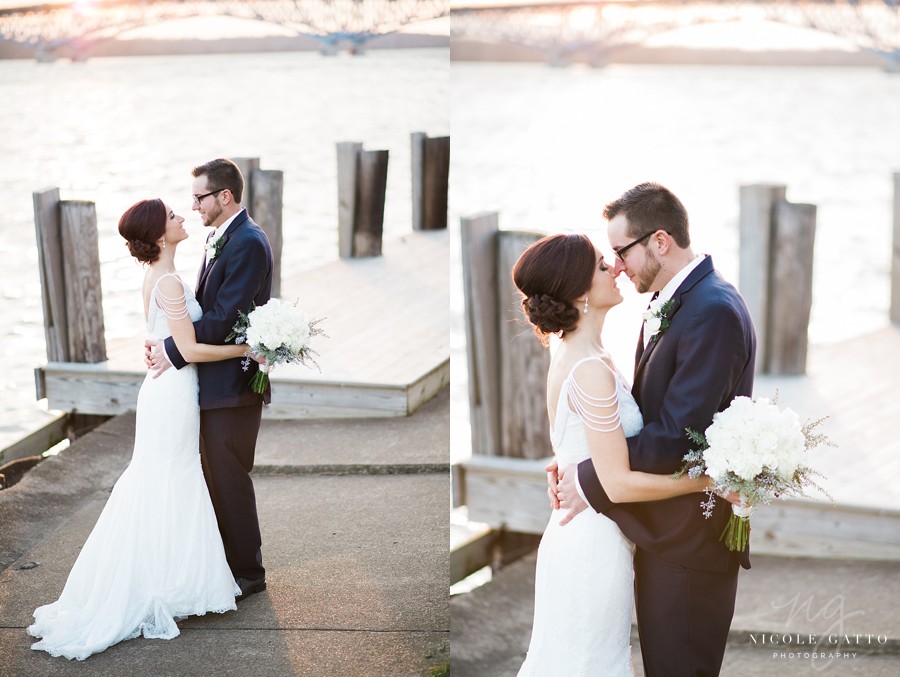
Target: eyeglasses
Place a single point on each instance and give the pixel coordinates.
(620, 253)
(197, 198)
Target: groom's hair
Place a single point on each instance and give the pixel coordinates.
(222, 173)
(650, 207)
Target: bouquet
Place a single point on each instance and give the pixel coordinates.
(278, 331)
(756, 450)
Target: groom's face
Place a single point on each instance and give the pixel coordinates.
(641, 264)
(209, 208)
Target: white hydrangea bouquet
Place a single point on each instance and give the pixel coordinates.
(278, 331)
(756, 450)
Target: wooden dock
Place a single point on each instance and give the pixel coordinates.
(386, 353)
(852, 382)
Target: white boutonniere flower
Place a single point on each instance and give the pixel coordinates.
(214, 248)
(656, 318)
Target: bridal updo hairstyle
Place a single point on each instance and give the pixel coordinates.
(142, 224)
(551, 274)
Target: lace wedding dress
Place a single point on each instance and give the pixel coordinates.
(155, 554)
(583, 595)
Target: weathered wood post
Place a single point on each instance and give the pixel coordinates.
(790, 291)
(756, 227)
(777, 241)
(895, 259)
(502, 483)
(478, 235)
(430, 180)
(362, 183)
(264, 200)
(525, 430)
(69, 264)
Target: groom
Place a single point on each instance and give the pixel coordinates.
(693, 367)
(236, 273)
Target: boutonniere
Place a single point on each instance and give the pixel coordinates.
(656, 318)
(214, 248)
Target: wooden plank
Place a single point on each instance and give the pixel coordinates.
(471, 554)
(507, 493)
(84, 298)
(39, 441)
(50, 267)
(347, 173)
(478, 235)
(436, 182)
(268, 201)
(895, 258)
(524, 427)
(247, 165)
(790, 291)
(756, 227)
(371, 188)
(417, 172)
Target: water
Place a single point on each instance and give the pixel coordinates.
(549, 148)
(117, 130)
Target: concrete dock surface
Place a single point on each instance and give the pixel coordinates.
(355, 532)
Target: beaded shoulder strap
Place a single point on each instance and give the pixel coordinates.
(175, 308)
(599, 413)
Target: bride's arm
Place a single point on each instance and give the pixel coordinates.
(593, 396)
(171, 301)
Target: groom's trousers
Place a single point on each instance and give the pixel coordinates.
(227, 449)
(683, 616)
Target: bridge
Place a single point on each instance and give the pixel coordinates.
(51, 27)
(594, 29)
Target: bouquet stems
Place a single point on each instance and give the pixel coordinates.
(736, 533)
(260, 379)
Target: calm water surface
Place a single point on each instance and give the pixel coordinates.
(116, 130)
(549, 147)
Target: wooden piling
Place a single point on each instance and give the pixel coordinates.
(478, 235)
(430, 180)
(371, 189)
(268, 208)
(362, 183)
(790, 291)
(247, 165)
(757, 224)
(69, 264)
(895, 259)
(525, 430)
(50, 268)
(81, 267)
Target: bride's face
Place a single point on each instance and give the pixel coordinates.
(175, 231)
(604, 293)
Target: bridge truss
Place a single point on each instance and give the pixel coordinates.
(595, 29)
(49, 27)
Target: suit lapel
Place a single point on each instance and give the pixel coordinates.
(703, 269)
(204, 272)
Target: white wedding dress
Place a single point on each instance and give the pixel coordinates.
(155, 554)
(584, 594)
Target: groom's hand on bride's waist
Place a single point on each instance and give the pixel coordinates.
(552, 483)
(155, 357)
(567, 492)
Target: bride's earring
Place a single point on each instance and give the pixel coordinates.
(585, 304)
(163, 245)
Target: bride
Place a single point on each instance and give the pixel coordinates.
(155, 554)
(584, 578)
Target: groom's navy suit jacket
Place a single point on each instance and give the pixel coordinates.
(694, 369)
(240, 276)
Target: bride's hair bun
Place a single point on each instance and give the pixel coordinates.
(145, 252)
(550, 315)
(551, 274)
(142, 224)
